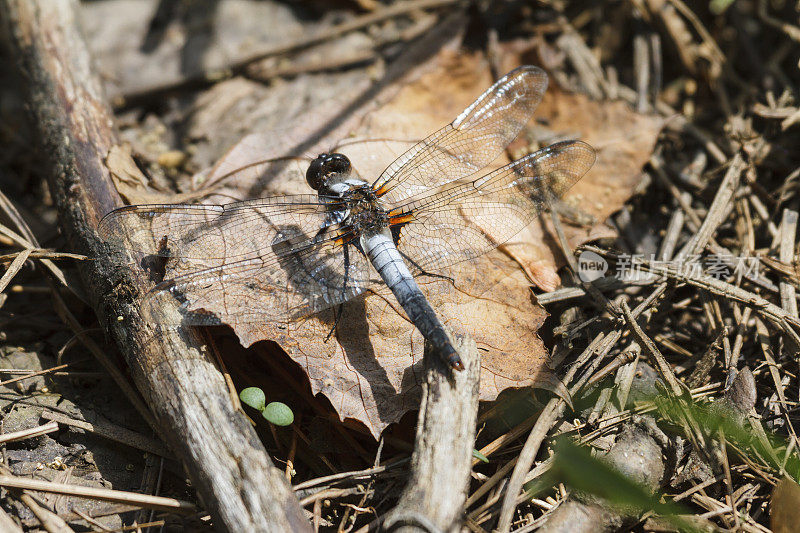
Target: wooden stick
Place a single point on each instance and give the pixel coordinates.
(74, 126)
(112, 432)
(28, 433)
(106, 495)
(442, 459)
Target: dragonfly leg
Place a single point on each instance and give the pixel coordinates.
(423, 272)
(339, 308)
(337, 315)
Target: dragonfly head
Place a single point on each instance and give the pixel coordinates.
(326, 170)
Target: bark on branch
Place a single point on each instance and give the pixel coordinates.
(434, 498)
(223, 456)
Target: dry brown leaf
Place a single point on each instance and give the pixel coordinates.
(623, 140)
(370, 370)
(785, 506)
(133, 185)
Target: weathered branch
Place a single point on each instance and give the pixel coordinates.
(224, 459)
(442, 459)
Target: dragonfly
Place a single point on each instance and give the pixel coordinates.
(285, 258)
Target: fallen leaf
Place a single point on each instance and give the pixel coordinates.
(623, 140)
(371, 369)
(785, 506)
(133, 185)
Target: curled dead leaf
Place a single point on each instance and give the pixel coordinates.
(133, 185)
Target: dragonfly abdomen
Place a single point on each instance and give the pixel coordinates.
(383, 255)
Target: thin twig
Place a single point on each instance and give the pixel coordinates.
(28, 433)
(677, 388)
(112, 432)
(106, 495)
(786, 255)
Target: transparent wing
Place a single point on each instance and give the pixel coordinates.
(287, 282)
(462, 221)
(473, 140)
(212, 235)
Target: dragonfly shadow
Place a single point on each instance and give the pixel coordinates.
(197, 19)
(155, 265)
(318, 276)
(353, 335)
(296, 277)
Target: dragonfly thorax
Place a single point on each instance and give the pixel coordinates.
(364, 212)
(352, 200)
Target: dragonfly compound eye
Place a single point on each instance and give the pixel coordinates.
(337, 163)
(315, 172)
(324, 166)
